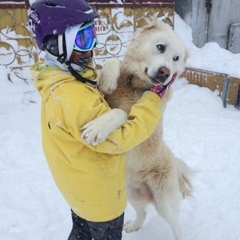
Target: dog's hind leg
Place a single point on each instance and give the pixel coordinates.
(139, 198)
(140, 209)
(168, 208)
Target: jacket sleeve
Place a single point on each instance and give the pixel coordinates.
(144, 117)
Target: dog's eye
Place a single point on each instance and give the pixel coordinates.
(161, 48)
(176, 58)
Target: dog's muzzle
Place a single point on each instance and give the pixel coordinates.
(161, 76)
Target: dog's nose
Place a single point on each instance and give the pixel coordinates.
(163, 73)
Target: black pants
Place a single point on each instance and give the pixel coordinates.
(86, 230)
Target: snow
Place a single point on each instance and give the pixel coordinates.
(196, 127)
(12, 2)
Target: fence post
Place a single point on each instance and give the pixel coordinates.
(237, 105)
(226, 85)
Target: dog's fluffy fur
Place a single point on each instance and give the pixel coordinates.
(154, 174)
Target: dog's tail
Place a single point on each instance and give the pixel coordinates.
(184, 174)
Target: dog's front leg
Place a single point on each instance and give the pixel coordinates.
(98, 129)
(108, 76)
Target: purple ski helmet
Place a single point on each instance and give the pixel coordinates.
(52, 17)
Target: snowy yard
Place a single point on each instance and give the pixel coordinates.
(196, 127)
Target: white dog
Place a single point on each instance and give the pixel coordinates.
(154, 175)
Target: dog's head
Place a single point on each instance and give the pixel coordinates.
(156, 55)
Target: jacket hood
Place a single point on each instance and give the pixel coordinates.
(46, 78)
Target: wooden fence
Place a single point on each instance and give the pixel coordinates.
(117, 22)
(17, 49)
(227, 86)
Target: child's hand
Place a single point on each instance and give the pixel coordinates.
(161, 90)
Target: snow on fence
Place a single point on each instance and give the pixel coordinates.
(14, 4)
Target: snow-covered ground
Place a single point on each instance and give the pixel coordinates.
(196, 127)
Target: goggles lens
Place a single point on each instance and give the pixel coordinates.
(86, 38)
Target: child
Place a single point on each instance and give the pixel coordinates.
(91, 178)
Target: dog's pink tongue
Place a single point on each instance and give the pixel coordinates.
(172, 80)
(174, 76)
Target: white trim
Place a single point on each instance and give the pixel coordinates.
(89, 11)
(60, 44)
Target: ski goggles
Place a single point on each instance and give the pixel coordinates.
(86, 38)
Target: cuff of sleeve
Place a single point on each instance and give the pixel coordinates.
(151, 96)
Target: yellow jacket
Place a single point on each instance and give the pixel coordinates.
(91, 178)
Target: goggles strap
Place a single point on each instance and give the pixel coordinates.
(62, 59)
(62, 51)
(79, 77)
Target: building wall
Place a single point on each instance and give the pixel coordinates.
(211, 21)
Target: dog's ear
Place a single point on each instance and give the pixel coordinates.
(158, 26)
(186, 56)
(151, 25)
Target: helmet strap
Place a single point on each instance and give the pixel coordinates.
(62, 58)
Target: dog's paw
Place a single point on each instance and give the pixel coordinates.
(95, 132)
(130, 227)
(107, 87)
(108, 76)
(98, 129)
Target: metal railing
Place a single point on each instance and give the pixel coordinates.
(226, 85)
